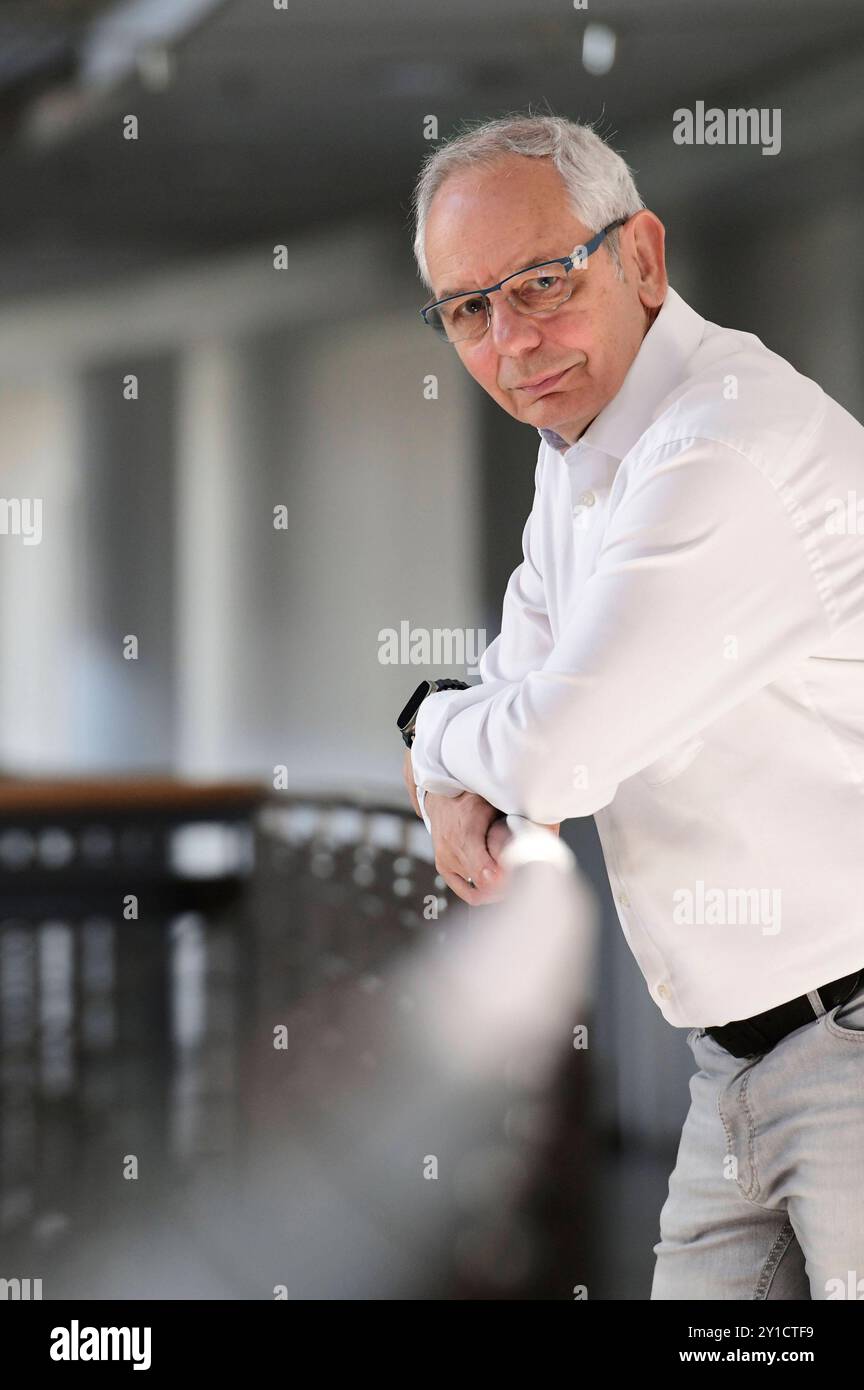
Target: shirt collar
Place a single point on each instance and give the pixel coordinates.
(657, 367)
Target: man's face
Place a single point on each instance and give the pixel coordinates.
(484, 224)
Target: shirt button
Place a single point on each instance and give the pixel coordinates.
(663, 991)
(587, 499)
(623, 900)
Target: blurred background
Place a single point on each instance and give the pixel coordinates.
(203, 830)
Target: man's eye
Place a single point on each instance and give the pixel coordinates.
(468, 309)
(542, 284)
(544, 291)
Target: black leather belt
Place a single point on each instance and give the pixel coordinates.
(751, 1037)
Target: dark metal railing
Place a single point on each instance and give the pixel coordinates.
(149, 1039)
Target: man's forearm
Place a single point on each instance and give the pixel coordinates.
(700, 548)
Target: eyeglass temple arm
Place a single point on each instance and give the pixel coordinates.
(587, 248)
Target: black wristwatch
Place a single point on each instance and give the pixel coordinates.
(408, 718)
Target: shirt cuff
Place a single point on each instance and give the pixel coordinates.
(421, 797)
(429, 727)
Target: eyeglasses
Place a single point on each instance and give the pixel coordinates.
(460, 317)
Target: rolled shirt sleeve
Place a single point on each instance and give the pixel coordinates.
(706, 589)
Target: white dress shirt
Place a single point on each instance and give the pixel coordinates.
(682, 656)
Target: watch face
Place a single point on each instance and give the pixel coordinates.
(408, 713)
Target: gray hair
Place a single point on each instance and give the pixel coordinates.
(599, 183)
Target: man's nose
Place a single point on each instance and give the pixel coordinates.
(511, 331)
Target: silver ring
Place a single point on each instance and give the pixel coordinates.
(471, 883)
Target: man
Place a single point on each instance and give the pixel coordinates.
(681, 656)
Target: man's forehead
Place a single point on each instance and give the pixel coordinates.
(488, 221)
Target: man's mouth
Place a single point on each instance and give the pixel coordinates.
(543, 384)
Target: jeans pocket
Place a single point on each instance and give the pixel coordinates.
(846, 1020)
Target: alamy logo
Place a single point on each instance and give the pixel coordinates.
(845, 516)
(438, 646)
(19, 1289)
(21, 516)
(77, 1343)
(851, 1287)
(739, 126)
(755, 907)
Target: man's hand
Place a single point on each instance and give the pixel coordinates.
(459, 828)
(469, 836)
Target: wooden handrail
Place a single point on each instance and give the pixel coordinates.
(53, 795)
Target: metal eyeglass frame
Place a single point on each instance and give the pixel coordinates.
(580, 253)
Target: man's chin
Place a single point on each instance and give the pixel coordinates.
(551, 413)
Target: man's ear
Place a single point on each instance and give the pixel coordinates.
(649, 253)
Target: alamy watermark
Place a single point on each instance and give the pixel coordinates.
(753, 907)
(437, 646)
(20, 1289)
(851, 1287)
(737, 126)
(77, 1343)
(21, 516)
(845, 516)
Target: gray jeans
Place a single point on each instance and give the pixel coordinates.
(766, 1199)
